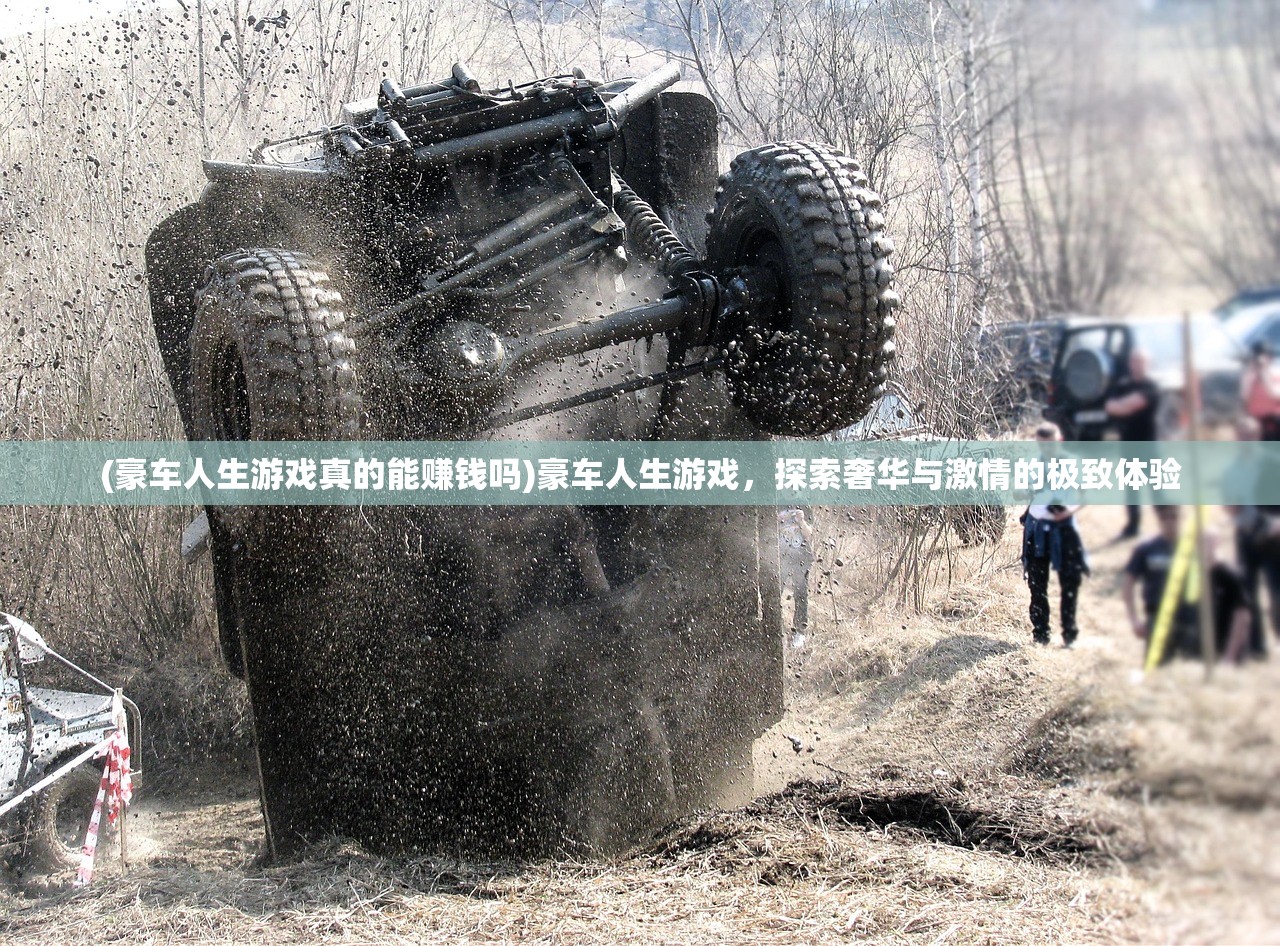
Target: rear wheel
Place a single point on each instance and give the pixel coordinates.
(803, 213)
(56, 827)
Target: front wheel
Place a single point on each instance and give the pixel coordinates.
(814, 356)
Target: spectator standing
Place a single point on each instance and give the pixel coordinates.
(1257, 531)
(1050, 541)
(1260, 390)
(1132, 408)
(1149, 567)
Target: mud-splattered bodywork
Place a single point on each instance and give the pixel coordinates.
(502, 680)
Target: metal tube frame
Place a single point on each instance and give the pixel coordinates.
(627, 325)
(508, 418)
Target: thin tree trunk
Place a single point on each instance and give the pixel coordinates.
(977, 223)
(780, 51)
(945, 184)
(200, 80)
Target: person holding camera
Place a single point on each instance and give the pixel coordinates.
(1050, 542)
(1260, 390)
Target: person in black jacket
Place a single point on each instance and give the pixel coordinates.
(1257, 532)
(1132, 406)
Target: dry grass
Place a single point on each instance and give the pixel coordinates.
(767, 839)
(779, 879)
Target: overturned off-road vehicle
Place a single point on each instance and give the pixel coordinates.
(533, 262)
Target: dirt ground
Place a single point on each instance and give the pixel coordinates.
(950, 783)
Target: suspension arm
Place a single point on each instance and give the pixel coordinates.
(599, 394)
(643, 321)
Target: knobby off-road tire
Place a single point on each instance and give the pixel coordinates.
(271, 358)
(804, 211)
(55, 828)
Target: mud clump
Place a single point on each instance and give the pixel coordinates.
(793, 834)
(1070, 741)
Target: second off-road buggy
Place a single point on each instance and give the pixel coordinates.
(49, 772)
(533, 261)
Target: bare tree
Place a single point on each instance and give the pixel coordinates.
(339, 46)
(974, 111)
(1235, 242)
(427, 37)
(1062, 149)
(555, 35)
(249, 57)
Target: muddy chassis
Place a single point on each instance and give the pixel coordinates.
(435, 266)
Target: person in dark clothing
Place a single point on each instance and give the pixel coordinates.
(1257, 532)
(1148, 568)
(1050, 542)
(1132, 406)
(1258, 555)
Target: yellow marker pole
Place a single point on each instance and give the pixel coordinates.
(1180, 580)
(1191, 386)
